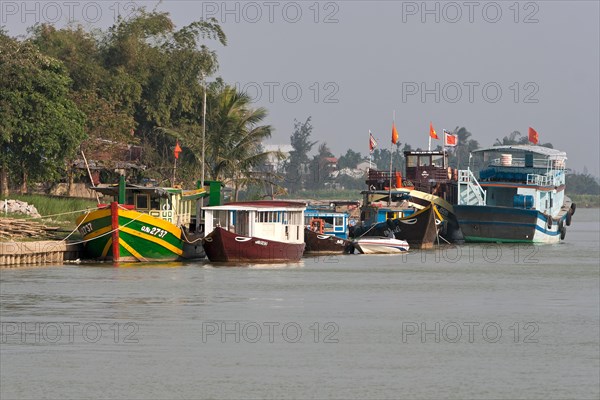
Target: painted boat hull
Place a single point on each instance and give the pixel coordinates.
(481, 224)
(317, 243)
(419, 229)
(377, 245)
(223, 246)
(139, 236)
(450, 229)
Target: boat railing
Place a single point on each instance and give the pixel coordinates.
(519, 162)
(554, 178)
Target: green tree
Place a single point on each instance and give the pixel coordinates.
(298, 158)
(381, 158)
(234, 152)
(319, 171)
(459, 157)
(350, 160)
(582, 184)
(40, 125)
(106, 119)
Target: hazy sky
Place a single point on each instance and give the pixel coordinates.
(493, 67)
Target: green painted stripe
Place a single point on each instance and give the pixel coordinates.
(147, 249)
(137, 226)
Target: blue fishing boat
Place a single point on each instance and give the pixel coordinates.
(326, 232)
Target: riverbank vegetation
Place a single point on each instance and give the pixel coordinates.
(124, 97)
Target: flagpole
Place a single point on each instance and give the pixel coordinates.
(203, 126)
(370, 151)
(174, 169)
(391, 156)
(444, 149)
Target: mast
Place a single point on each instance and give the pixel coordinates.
(203, 125)
(391, 157)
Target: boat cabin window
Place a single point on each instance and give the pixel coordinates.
(221, 218)
(268, 217)
(424, 161)
(411, 161)
(437, 160)
(142, 201)
(338, 221)
(241, 223)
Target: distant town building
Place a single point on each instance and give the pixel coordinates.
(365, 165)
(273, 164)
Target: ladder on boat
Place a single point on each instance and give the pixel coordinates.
(470, 192)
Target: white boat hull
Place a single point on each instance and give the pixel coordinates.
(377, 245)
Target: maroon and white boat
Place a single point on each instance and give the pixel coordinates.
(255, 231)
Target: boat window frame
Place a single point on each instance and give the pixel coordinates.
(136, 202)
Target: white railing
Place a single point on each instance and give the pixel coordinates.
(554, 178)
(470, 191)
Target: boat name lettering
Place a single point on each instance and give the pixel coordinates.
(261, 242)
(154, 231)
(87, 228)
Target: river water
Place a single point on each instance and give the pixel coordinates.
(489, 321)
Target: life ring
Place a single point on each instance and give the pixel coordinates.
(569, 214)
(449, 173)
(573, 207)
(166, 207)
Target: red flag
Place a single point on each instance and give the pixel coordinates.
(432, 131)
(394, 133)
(372, 142)
(450, 139)
(177, 150)
(533, 136)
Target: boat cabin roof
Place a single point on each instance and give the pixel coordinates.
(552, 154)
(315, 212)
(424, 152)
(262, 205)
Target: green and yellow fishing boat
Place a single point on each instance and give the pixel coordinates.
(147, 223)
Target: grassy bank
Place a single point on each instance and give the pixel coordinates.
(51, 205)
(586, 200)
(329, 194)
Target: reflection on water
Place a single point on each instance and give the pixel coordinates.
(473, 321)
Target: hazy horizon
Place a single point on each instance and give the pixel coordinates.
(492, 67)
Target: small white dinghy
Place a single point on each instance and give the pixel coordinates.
(380, 245)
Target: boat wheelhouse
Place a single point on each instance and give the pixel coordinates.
(326, 232)
(427, 179)
(334, 223)
(256, 231)
(518, 197)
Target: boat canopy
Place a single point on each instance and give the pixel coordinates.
(551, 154)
